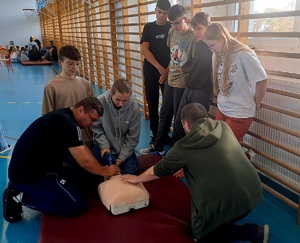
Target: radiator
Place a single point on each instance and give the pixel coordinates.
(282, 120)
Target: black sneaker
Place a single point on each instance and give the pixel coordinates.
(262, 234)
(152, 140)
(12, 206)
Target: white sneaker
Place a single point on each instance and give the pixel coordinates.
(152, 149)
(5, 150)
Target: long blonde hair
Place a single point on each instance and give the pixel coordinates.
(217, 31)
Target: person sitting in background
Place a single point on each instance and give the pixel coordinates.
(19, 51)
(34, 54)
(223, 183)
(51, 52)
(31, 44)
(24, 56)
(14, 54)
(37, 41)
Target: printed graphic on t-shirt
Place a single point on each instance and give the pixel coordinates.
(178, 59)
(161, 36)
(229, 87)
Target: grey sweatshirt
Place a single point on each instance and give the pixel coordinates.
(118, 129)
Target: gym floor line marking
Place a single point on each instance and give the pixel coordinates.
(24, 102)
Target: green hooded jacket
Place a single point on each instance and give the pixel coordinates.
(223, 183)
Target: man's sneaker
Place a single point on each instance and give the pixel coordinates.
(5, 150)
(152, 140)
(262, 234)
(12, 206)
(152, 149)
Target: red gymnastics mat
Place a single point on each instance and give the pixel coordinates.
(166, 219)
(34, 63)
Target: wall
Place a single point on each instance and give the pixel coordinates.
(14, 24)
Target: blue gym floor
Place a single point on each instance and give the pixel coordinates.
(20, 104)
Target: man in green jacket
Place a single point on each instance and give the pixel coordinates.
(223, 183)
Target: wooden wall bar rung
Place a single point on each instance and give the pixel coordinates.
(147, 2)
(219, 3)
(281, 111)
(133, 59)
(283, 74)
(272, 34)
(278, 145)
(272, 159)
(131, 24)
(278, 54)
(126, 7)
(279, 128)
(223, 18)
(283, 198)
(284, 93)
(277, 178)
(272, 15)
(130, 15)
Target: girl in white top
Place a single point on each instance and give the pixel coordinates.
(240, 81)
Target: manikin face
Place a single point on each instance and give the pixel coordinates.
(120, 99)
(161, 16)
(199, 31)
(179, 24)
(216, 46)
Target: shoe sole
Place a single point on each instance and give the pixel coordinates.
(154, 152)
(266, 233)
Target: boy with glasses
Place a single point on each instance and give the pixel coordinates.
(199, 88)
(157, 58)
(181, 42)
(67, 88)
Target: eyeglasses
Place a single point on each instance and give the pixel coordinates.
(92, 118)
(176, 22)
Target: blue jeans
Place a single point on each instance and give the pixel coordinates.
(129, 166)
(3, 143)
